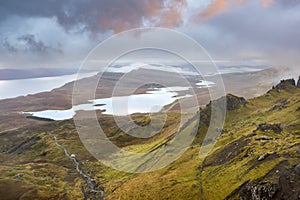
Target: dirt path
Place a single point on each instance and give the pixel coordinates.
(91, 184)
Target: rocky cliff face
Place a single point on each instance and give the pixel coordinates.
(234, 102)
(285, 83)
(231, 101)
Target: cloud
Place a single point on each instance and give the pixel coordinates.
(172, 16)
(217, 7)
(61, 48)
(96, 16)
(266, 3)
(251, 32)
(32, 29)
(56, 32)
(33, 45)
(28, 43)
(6, 45)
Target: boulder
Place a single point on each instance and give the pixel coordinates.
(262, 157)
(276, 128)
(18, 175)
(264, 137)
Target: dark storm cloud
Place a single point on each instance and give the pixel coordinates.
(6, 45)
(32, 44)
(229, 29)
(29, 43)
(30, 29)
(95, 15)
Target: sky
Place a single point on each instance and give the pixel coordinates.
(60, 33)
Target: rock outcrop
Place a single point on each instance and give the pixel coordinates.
(232, 102)
(264, 137)
(298, 83)
(258, 191)
(284, 84)
(281, 105)
(221, 105)
(276, 128)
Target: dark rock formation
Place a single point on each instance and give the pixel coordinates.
(232, 102)
(276, 128)
(220, 106)
(289, 185)
(264, 137)
(281, 105)
(285, 83)
(258, 191)
(286, 186)
(298, 83)
(18, 175)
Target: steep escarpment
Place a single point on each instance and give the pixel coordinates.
(257, 154)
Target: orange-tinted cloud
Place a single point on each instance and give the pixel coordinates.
(216, 7)
(172, 16)
(220, 6)
(134, 14)
(163, 13)
(266, 3)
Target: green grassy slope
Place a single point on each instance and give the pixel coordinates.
(254, 157)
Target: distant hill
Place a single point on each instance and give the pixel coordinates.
(12, 74)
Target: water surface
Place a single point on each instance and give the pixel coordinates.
(151, 101)
(23, 87)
